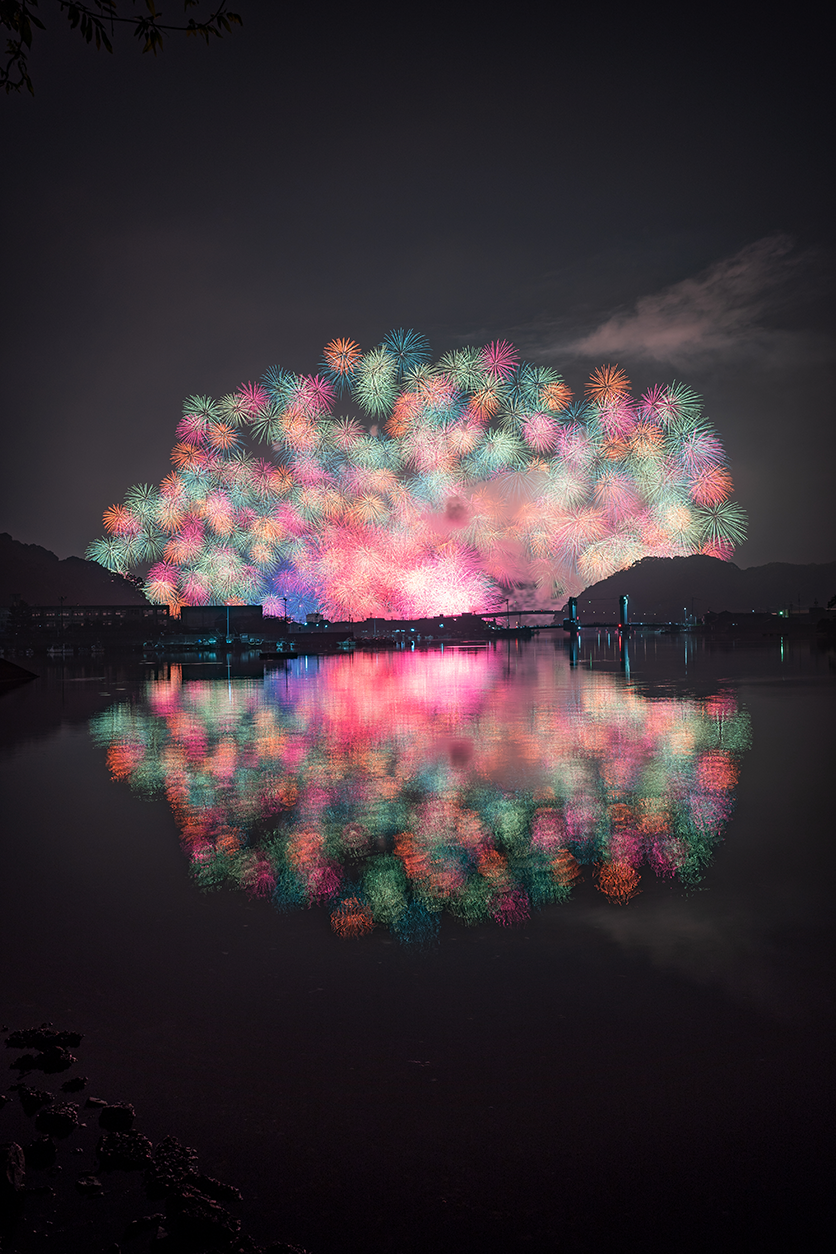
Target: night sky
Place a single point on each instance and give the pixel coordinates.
(604, 185)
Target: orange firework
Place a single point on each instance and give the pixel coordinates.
(608, 384)
(341, 356)
(487, 400)
(221, 435)
(120, 521)
(556, 396)
(711, 486)
(646, 439)
(405, 410)
(186, 457)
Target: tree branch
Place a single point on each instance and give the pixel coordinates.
(95, 23)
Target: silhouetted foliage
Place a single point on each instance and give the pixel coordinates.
(19, 622)
(96, 23)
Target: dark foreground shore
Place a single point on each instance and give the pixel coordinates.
(78, 1175)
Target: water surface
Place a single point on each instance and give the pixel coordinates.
(445, 949)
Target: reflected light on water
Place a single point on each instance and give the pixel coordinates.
(390, 788)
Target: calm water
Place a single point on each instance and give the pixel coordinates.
(489, 948)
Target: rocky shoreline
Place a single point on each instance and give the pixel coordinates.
(88, 1180)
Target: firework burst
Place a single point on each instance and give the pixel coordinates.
(487, 477)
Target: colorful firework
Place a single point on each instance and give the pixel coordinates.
(551, 493)
(387, 789)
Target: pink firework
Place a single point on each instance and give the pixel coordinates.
(699, 450)
(192, 429)
(316, 394)
(616, 494)
(161, 582)
(217, 510)
(618, 417)
(252, 399)
(308, 471)
(185, 546)
(655, 402)
(195, 590)
(500, 359)
(574, 446)
(723, 549)
(540, 432)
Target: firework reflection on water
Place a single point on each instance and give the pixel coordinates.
(389, 789)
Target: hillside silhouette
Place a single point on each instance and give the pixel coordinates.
(661, 589)
(666, 589)
(39, 577)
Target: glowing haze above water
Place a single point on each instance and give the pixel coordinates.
(390, 788)
(467, 477)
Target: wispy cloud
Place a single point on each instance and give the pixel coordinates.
(727, 309)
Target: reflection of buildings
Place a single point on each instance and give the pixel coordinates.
(395, 787)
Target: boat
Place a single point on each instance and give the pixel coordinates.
(282, 650)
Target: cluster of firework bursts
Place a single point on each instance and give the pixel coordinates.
(468, 476)
(389, 791)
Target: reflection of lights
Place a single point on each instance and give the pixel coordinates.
(393, 787)
(618, 881)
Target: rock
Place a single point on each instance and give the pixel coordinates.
(125, 1151)
(143, 1224)
(49, 1060)
(246, 1245)
(196, 1221)
(217, 1189)
(33, 1099)
(172, 1166)
(90, 1186)
(95, 1101)
(117, 1118)
(58, 1120)
(75, 1085)
(43, 1038)
(41, 1153)
(12, 1171)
